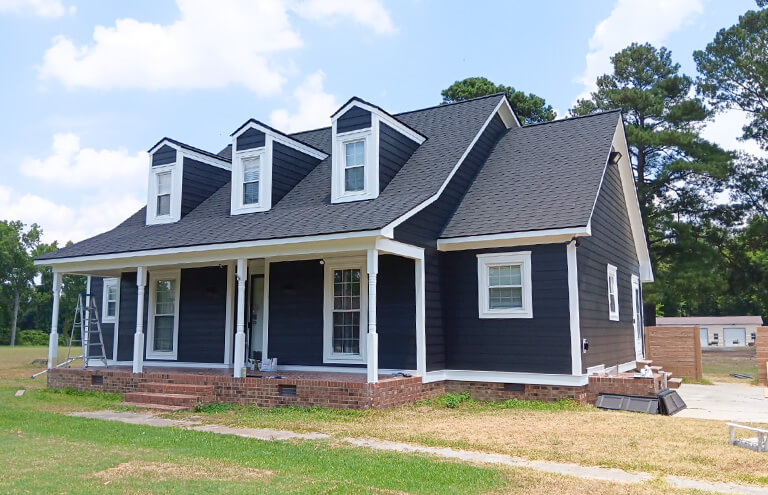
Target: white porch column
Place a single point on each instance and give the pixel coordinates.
(138, 337)
(373, 337)
(242, 275)
(53, 340)
(421, 333)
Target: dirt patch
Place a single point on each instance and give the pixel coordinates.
(165, 471)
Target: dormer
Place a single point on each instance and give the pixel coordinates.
(266, 164)
(180, 178)
(369, 147)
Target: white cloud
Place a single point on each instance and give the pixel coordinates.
(72, 166)
(40, 8)
(369, 13)
(630, 21)
(211, 45)
(725, 130)
(315, 107)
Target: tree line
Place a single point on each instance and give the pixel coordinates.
(705, 209)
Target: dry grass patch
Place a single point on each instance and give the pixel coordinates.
(167, 471)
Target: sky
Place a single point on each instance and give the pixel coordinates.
(86, 87)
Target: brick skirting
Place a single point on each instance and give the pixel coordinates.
(344, 393)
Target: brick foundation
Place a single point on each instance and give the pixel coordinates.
(761, 354)
(343, 391)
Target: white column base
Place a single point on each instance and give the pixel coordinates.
(138, 352)
(239, 354)
(373, 357)
(53, 349)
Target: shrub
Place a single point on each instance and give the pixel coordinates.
(454, 400)
(27, 337)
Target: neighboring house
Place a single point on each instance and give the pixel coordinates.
(449, 242)
(718, 331)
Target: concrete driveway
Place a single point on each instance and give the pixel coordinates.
(725, 402)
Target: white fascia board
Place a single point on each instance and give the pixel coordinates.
(552, 236)
(433, 198)
(400, 249)
(349, 241)
(506, 377)
(383, 117)
(216, 162)
(280, 138)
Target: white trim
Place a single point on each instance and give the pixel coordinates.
(242, 280)
(194, 155)
(573, 308)
(421, 325)
(613, 271)
(358, 263)
(284, 140)
(230, 311)
(383, 117)
(172, 364)
(506, 377)
(400, 249)
(484, 262)
(433, 198)
(264, 154)
(341, 369)
(105, 318)
(370, 137)
(510, 239)
(176, 170)
(637, 323)
(154, 277)
(265, 316)
(593, 370)
(629, 365)
(138, 336)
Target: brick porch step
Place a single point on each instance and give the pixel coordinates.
(158, 407)
(176, 388)
(674, 382)
(181, 400)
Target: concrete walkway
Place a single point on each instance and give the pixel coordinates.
(563, 468)
(725, 402)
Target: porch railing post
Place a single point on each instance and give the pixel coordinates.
(421, 338)
(53, 340)
(138, 337)
(373, 337)
(242, 275)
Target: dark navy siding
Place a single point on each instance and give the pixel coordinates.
(289, 167)
(424, 228)
(541, 344)
(127, 324)
(199, 182)
(610, 342)
(252, 138)
(202, 314)
(296, 312)
(396, 313)
(107, 329)
(164, 156)
(433, 310)
(353, 119)
(394, 150)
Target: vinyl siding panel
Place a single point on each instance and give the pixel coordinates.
(200, 180)
(164, 156)
(353, 119)
(396, 312)
(252, 138)
(107, 329)
(394, 150)
(289, 167)
(127, 323)
(535, 345)
(433, 310)
(202, 314)
(610, 342)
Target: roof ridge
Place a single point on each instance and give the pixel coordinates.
(613, 110)
(443, 105)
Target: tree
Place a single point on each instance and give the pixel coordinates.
(678, 173)
(734, 71)
(529, 108)
(17, 272)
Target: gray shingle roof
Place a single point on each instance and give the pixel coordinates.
(306, 209)
(544, 176)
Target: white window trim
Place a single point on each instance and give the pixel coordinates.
(154, 276)
(264, 155)
(105, 283)
(371, 176)
(340, 264)
(484, 261)
(612, 270)
(176, 172)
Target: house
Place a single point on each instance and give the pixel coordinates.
(448, 244)
(718, 331)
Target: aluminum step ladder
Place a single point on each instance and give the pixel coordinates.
(91, 340)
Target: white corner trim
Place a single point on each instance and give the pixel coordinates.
(612, 271)
(506, 377)
(573, 308)
(511, 239)
(150, 352)
(421, 322)
(484, 262)
(280, 138)
(383, 117)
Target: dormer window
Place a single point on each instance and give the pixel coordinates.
(163, 194)
(251, 180)
(354, 166)
(251, 171)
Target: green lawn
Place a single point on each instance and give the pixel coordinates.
(718, 365)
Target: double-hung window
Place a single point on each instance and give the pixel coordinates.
(354, 166)
(345, 312)
(163, 205)
(164, 315)
(251, 179)
(109, 300)
(504, 285)
(613, 294)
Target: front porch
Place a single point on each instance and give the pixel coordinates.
(269, 389)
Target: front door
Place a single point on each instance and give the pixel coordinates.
(256, 318)
(637, 316)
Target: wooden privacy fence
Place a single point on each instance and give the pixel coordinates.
(676, 349)
(761, 351)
